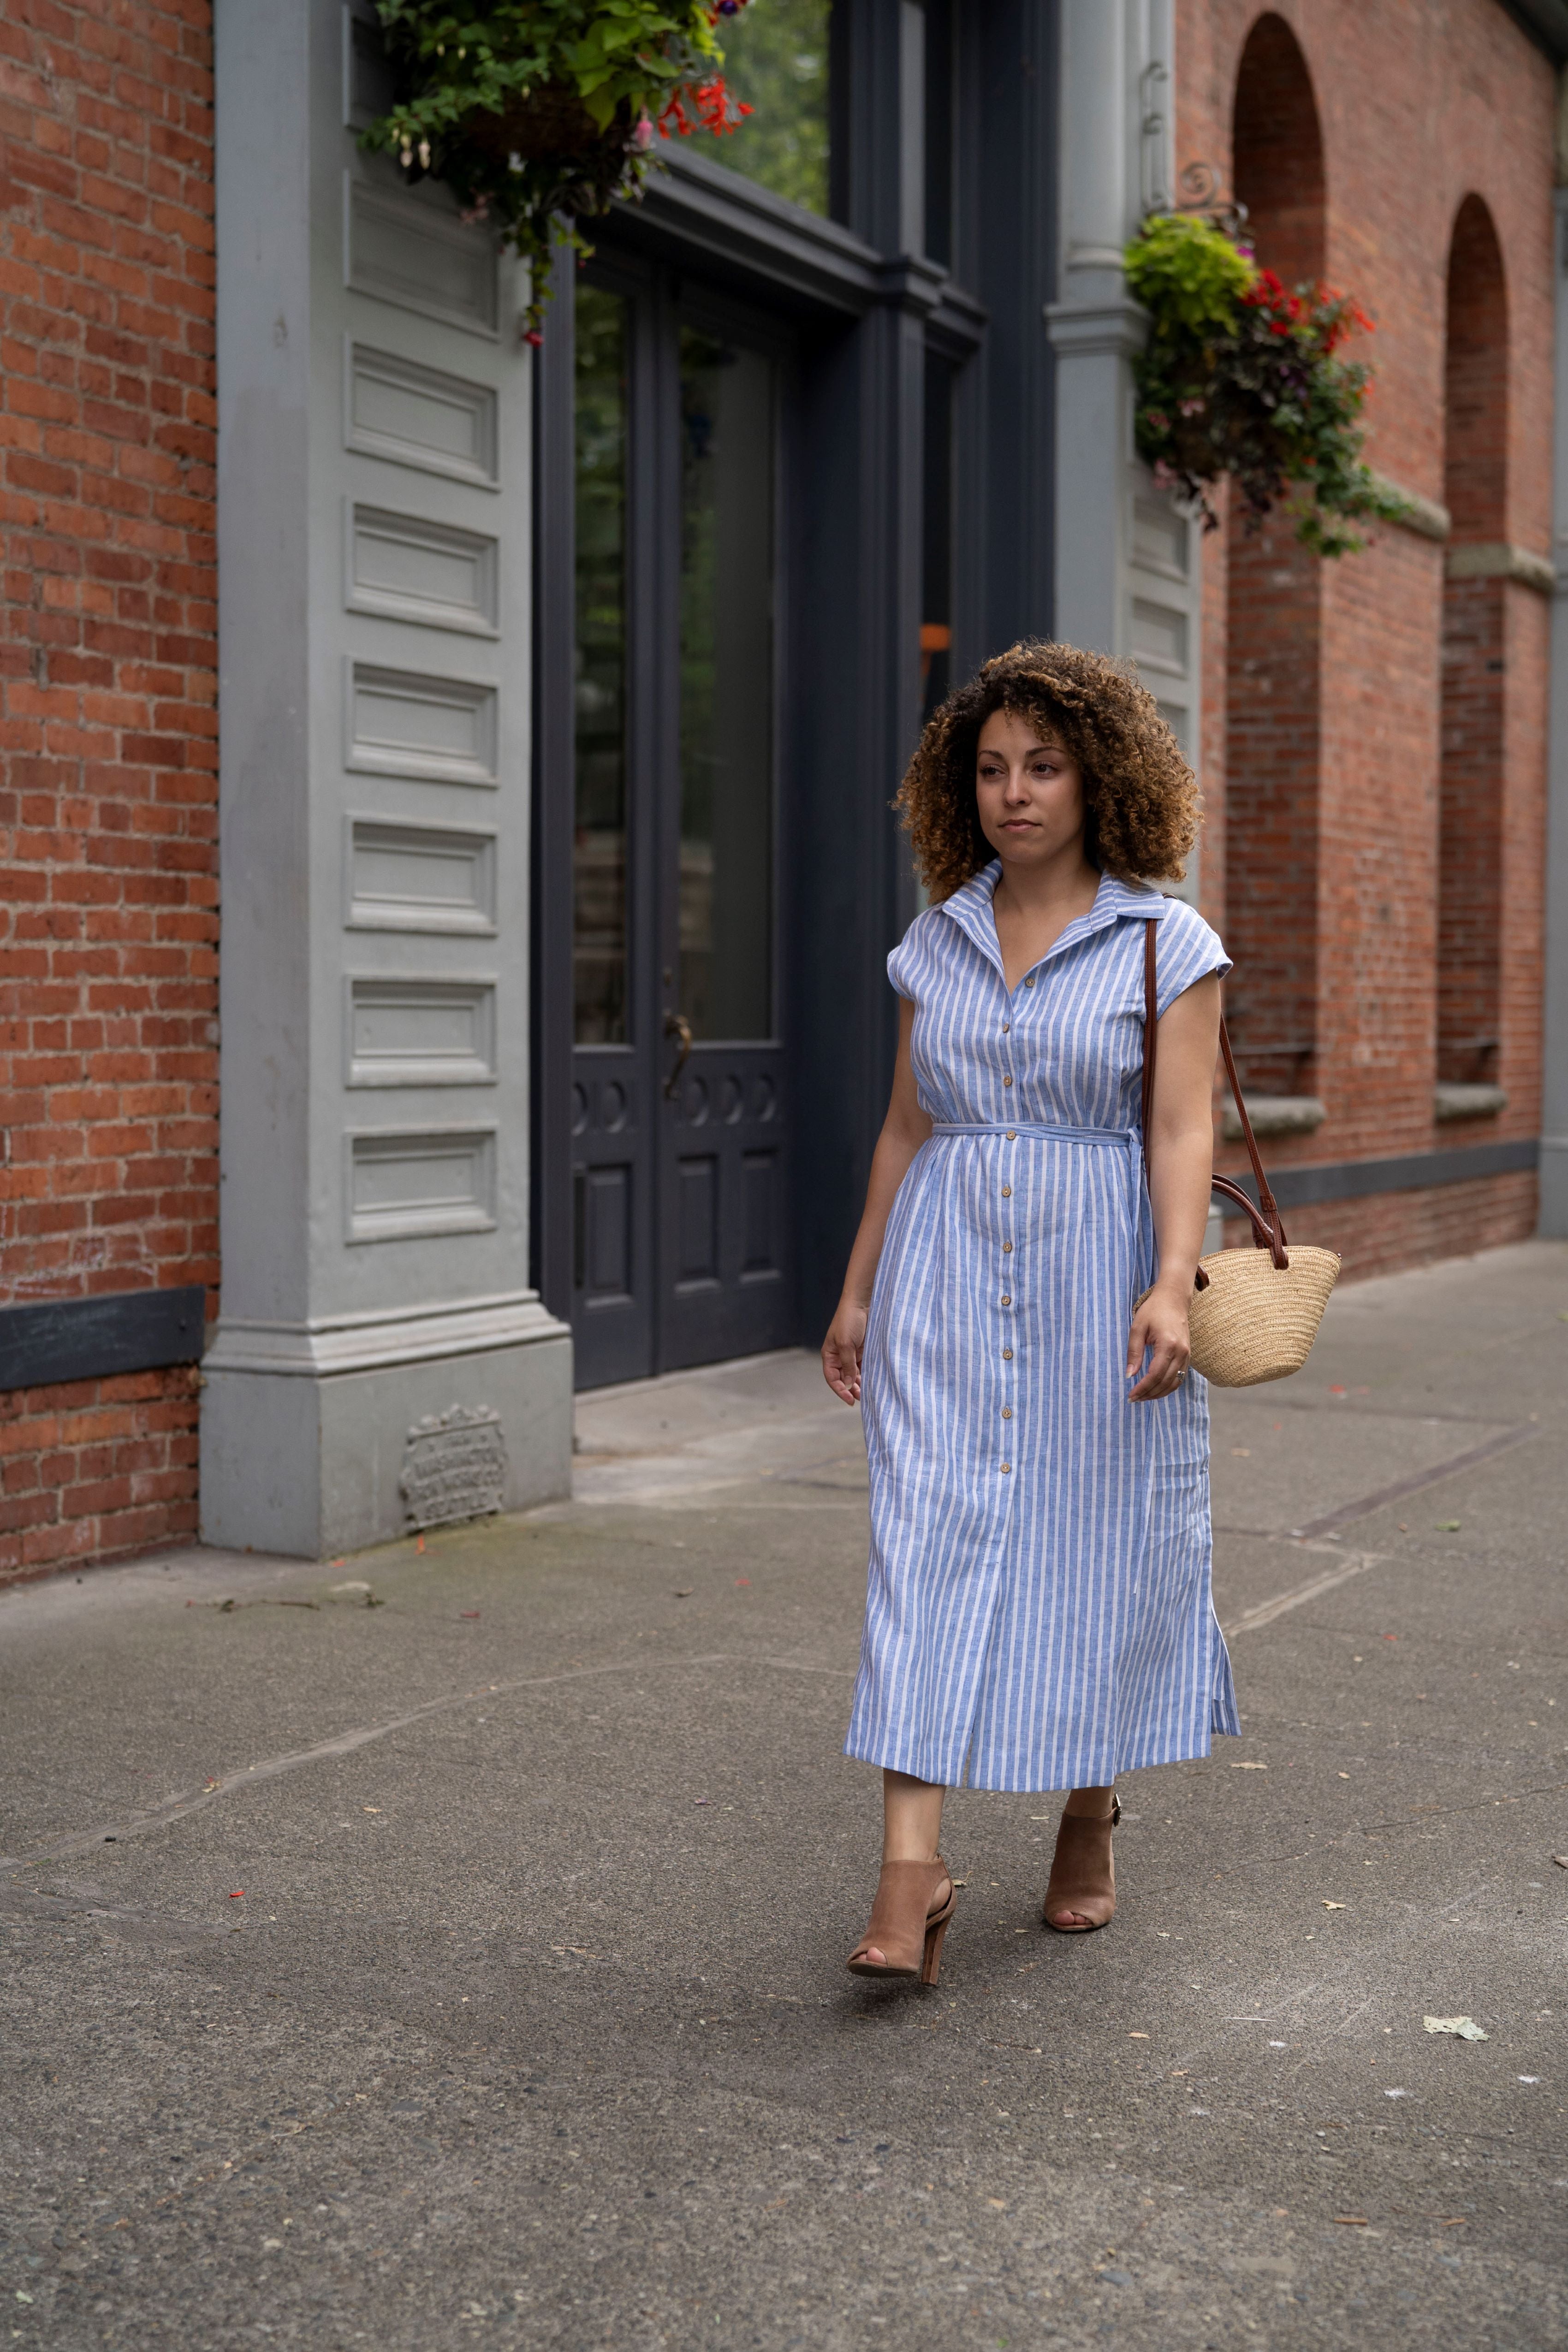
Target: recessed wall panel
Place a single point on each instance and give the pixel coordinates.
(420, 878)
(369, 87)
(1178, 719)
(410, 569)
(1159, 634)
(412, 723)
(421, 1033)
(696, 1219)
(419, 416)
(758, 1212)
(607, 1242)
(1159, 538)
(404, 251)
(403, 1186)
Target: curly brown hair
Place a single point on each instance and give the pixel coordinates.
(1141, 800)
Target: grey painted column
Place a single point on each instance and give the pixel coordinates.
(1096, 328)
(379, 1355)
(1554, 1040)
(1128, 575)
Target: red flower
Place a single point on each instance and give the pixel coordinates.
(716, 111)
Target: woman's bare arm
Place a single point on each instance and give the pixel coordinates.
(904, 1129)
(1181, 1166)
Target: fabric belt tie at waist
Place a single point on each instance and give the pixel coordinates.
(1129, 1138)
(1124, 1136)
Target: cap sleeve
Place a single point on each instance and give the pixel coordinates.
(1187, 949)
(910, 959)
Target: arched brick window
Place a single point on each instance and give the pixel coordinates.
(1476, 494)
(1272, 720)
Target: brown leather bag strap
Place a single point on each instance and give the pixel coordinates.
(1151, 1032)
(1268, 1224)
(1269, 1205)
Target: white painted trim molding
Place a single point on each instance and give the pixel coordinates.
(373, 1342)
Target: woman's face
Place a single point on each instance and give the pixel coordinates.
(1029, 791)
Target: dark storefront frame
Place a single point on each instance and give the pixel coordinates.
(866, 312)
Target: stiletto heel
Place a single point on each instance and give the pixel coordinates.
(936, 1935)
(909, 1922)
(1082, 1880)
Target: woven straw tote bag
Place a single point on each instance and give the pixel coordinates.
(1255, 1313)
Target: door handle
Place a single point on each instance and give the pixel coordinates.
(676, 1024)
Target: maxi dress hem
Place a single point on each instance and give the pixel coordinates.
(1096, 1771)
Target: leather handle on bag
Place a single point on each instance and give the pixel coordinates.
(1268, 1224)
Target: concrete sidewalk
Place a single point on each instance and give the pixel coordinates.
(469, 1966)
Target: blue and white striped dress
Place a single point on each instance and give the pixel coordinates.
(1039, 1613)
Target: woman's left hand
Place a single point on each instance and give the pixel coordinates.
(1160, 1331)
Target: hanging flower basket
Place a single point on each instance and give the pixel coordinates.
(1242, 377)
(549, 122)
(531, 110)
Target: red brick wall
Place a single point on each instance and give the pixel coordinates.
(1469, 904)
(1419, 109)
(1274, 678)
(1388, 1230)
(107, 739)
(1277, 153)
(1474, 476)
(1272, 759)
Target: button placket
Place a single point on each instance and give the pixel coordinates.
(1006, 1191)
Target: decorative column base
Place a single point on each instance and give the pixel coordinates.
(324, 1438)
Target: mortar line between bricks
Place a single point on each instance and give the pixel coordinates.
(344, 1743)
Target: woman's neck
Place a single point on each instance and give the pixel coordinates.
(1054, 890)
(1031, 910)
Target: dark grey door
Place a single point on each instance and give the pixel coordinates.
(679, 1110)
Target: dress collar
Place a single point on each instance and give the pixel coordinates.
(1114, 901)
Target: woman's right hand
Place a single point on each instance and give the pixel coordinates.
(841, 1352)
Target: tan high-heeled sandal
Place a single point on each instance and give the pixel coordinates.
(1083, 1874)
(908, 1923)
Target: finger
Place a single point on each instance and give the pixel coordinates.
(1164, 1374)
(1164, 1377)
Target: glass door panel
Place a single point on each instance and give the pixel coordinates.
(599, 875)
(614, 1116)
(726, 890)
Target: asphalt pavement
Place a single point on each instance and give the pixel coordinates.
(447, 1946)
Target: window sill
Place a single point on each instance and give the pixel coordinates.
(1450, 1102)
(1277, 1115)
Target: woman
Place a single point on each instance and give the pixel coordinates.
(1015, 1316)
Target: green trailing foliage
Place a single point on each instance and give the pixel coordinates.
(531, 109)
(1243, 376)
